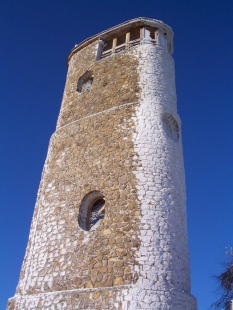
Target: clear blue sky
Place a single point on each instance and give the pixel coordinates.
(36, 37)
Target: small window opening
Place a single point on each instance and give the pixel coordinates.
(120, 40)
(91, 211)
(85, 82)
(169, 46)
(171, 127)
(135, 37)
(107, 46)
(120, 46)
(107, 49)
(152, 34)
(135, 34)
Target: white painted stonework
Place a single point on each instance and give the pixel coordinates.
(164, 276)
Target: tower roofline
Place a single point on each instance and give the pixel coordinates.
(128, 25)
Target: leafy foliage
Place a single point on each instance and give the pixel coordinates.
(225, 280)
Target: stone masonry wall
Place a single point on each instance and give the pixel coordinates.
(115, 83)
(64, 256)
(111, 139)
(164, 279)
(92, 149)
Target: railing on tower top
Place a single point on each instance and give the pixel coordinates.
(131, 39)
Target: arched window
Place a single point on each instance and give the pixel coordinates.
(171, 127)
(85, 82)
(91, 211)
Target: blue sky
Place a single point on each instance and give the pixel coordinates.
(36, 37)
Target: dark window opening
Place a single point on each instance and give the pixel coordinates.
(135, 34)
(120, 46)
(121, 40)
(91, 211)
(107, 46)
(107, 49)
(96, 212)
(171, 127)
(152, 34)
(85, 82)
(135, 37)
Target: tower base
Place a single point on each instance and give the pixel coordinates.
(125, 297)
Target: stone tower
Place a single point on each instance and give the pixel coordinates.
(109, 226)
